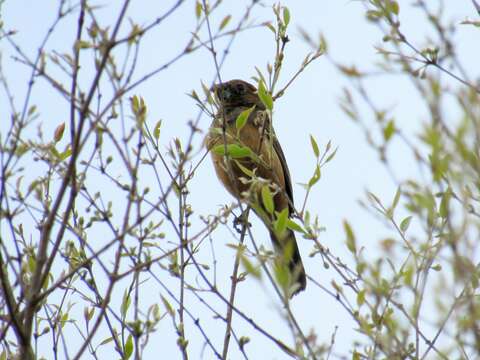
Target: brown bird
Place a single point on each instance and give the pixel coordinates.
(255, 160)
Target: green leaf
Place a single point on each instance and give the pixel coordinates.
(292, 225)
(260, 76)
(374, 15)
(350, 71)
(361, 297)
(391, 210)
(249, 267)
(264, 96)
(315, 177)
(444, 204)
(169, 307)
(389, 130)
(243, 341)
(408, 275)
(54, 152)
(405, 223)
(22, 149)
(393, 7)
(239, 151)
(375, 199)
(32, 109)
(267, 199)
(351, 242)
(329, 145)
(244, 169)
(208, 93)
(82, 44)
(235, 151)
(125, 304)
(280, 224)
(271, 27)
(106, 341)
(135, 33)
(64, 319)
(128, 347)
(315, 149)
(88, 313)
(286, 16)
(242, 118)
(134, 103)
(330, 157)
(338, 288)
(437, 267)
(224, 22)
(139, 109)
(99, 136)
(194, 96)
(198, 10)
(156, 130)
(65, 154)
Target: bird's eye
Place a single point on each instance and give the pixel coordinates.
(225, 94)
(240, 89)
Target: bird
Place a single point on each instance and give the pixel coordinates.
(258, 162)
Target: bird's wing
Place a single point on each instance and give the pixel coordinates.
(286, 173)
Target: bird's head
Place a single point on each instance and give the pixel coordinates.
(235, 93)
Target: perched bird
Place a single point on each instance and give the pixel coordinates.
(257, 162)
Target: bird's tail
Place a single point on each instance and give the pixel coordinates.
(287, 249)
